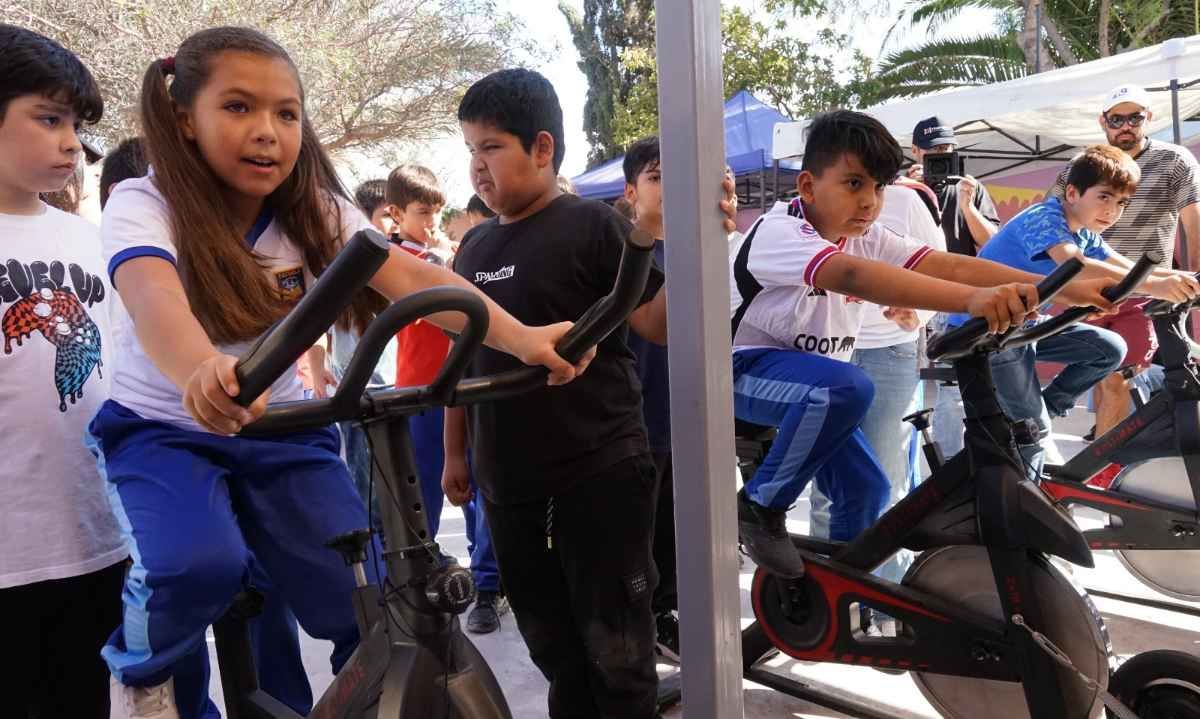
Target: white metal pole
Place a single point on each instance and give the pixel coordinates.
(690, 105)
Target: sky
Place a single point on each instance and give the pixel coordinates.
(448, 157)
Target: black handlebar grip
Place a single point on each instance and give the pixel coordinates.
(1053, 283)
(602, 317)
(312, 317)
(1115, 293)
(1143, 267)
(590, 329)
(961, 339)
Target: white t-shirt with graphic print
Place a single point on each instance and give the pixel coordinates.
(55, 369)
(774, 303)
(136, 223)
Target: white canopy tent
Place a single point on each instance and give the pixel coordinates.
(1043, 117)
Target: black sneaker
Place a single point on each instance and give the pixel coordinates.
(763, 533)
(485, 616)
(666, 643)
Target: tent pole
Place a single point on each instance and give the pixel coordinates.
(775, 193)
(689, 88)
(1037, 37)
(1176, 124)
(762, 189)
(1177, 133)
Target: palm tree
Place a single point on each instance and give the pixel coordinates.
(1071, 31)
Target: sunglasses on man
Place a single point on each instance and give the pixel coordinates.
(1116, 122)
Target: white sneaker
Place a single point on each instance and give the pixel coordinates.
(142, 702)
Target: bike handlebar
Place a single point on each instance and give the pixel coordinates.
(1117, 293)
(972, 336)
(448, 389)
(964, 339)
(1165, 307)
(290, 337)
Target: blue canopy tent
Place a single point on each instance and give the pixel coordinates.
(749, 132)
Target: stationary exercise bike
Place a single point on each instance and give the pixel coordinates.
(413, 661)
(1151, 504)
(989, 628)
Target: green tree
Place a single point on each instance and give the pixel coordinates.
(796, 77)
(603, 34)
(376, 72)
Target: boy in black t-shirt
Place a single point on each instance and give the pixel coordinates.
(643, 194)
(565, 472)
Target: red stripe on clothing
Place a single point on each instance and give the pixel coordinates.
(815, 263)
(917, 257)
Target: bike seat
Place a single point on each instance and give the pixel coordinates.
(751, 444)
(753, 432)
(943, 374)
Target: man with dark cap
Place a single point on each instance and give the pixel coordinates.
(966, 230)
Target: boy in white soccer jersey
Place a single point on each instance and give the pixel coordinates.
(796, 281)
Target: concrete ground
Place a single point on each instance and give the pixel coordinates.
(1132, 629)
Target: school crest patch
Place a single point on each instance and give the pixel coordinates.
(290, 283)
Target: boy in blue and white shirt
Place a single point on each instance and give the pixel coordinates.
(1100, 182)
(792, 334)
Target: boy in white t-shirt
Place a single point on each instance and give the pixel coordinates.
(61, 552)
(793, 335)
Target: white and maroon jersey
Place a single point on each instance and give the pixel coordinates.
(774, 302)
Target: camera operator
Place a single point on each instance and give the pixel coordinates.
(970, 229)
(965, 231)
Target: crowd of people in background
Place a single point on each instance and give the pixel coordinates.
(139, 511)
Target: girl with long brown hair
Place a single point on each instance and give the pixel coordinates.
(241, 210)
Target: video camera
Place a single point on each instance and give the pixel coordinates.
(941, 168)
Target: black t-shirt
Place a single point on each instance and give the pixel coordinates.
(954, 227)
(548, 268)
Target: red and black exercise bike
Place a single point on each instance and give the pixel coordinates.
(989, 628)
(1149, 511)
(1151, 504)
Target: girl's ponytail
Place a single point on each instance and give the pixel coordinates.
(158, 114)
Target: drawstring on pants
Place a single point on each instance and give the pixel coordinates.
(550, 523)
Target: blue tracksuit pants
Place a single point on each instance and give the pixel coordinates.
(425, 432)
(817, 403)
(197, 510)
(484, 568)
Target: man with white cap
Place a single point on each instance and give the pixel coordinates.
(1168, 194)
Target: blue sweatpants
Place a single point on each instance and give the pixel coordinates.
(425, 431)
(817, 403)
(484, 568)
(197, 510)
(275, 644)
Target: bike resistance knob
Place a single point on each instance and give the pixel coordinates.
(450, 589)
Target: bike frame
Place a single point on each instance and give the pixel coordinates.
(980, 497)
(413, 657)
(413, 661)
(1166, 426)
